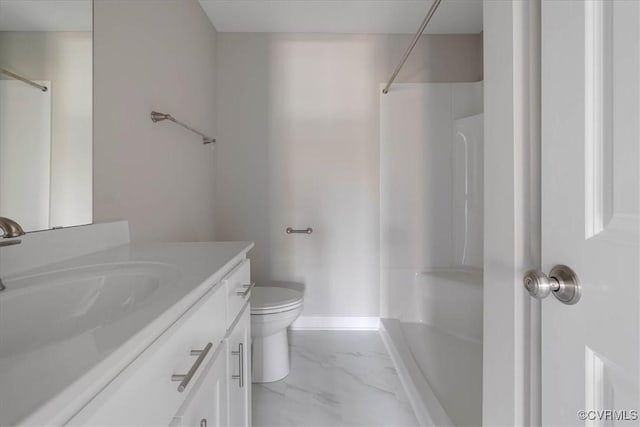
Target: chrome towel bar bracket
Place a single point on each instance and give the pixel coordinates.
(158, 117)
(308, 230)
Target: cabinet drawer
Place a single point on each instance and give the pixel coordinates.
(206, 404)
(237, 283)
(144, 393)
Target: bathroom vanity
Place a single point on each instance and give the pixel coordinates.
(130, 335)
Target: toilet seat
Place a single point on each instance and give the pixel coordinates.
(270, 299)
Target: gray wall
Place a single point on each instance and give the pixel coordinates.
(298, 139)
(158, 176)
(299, 128)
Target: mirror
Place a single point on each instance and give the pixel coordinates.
(46, 85)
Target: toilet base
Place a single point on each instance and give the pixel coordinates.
(270, 357)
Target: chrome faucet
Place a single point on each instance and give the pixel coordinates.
(10, 228)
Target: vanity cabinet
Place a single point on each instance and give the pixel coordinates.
(196, 373)
(222, 397)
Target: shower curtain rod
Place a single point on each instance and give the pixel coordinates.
(426, 20)
(22, 79)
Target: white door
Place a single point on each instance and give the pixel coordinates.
(590, 197)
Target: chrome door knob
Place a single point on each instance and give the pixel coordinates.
(537, 284)
(562, 282)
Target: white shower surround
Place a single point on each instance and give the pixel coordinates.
(431, 245)
(436, 345)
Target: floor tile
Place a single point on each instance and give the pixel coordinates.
(336, 379)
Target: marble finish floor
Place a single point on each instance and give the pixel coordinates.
(336, 379)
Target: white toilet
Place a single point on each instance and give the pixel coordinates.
(273, 309)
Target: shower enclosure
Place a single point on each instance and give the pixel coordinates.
(431, 183)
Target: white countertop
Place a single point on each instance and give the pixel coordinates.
(49, 383)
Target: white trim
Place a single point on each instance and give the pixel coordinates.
(511, 211)
(336, 323)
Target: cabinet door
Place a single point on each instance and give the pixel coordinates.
(206, 405)
(239, 372)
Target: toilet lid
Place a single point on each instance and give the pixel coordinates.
(269, 298)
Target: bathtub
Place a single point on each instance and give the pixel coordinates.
(434, 336)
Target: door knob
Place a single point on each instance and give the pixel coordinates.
(562, 282)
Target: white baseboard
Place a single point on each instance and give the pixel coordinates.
(334, 323)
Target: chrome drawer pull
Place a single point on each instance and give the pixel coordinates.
(186, 378)
(240, 354)
(248, 287)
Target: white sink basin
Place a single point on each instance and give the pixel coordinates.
(55, 326)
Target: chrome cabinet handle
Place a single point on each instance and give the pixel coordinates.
(562, 282)
(240, 354)
(248, 287)
(241, 382)
(290, 230)
(186, 378)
